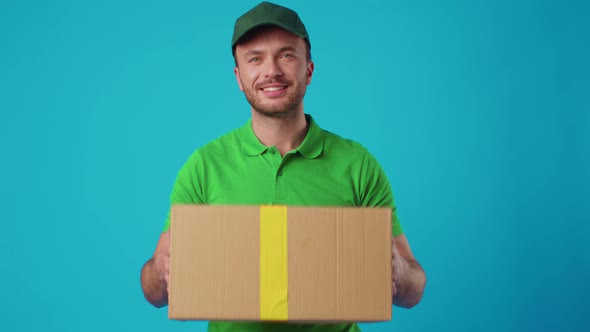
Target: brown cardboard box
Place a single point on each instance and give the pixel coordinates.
(334, 265)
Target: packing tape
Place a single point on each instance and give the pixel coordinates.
(273, 263)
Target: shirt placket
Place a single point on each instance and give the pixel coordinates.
(279, 163)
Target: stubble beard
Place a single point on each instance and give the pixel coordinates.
(292, 103)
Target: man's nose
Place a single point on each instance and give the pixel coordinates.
(272, 69)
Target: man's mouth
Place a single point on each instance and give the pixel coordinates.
(273, 88)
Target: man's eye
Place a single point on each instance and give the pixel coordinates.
(254, 59)
(287, 55)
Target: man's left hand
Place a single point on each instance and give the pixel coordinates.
(397, 268)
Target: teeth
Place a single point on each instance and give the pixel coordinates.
(273, 89)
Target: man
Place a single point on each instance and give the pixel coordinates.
(281, 156)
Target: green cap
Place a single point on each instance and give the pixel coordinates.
(267, 13)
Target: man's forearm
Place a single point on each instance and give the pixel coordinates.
(411, 285)
(154, 290)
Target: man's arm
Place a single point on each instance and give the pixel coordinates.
(408, 277)
(155, 273)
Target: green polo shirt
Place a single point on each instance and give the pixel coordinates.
(325, 170)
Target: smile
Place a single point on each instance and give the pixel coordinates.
(274, 88)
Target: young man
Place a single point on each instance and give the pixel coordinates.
(284, 155)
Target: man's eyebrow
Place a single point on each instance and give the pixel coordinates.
(288, 48)
(252, 52)
(281, 50)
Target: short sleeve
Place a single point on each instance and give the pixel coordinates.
(186, 189)
(376, 190)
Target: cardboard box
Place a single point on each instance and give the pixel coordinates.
(278, 263)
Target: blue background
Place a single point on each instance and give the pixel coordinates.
(479, 111)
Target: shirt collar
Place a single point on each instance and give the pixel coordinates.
(313, 144)
(311, 147)
(251, 146)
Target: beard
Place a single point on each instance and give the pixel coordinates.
(277, 110)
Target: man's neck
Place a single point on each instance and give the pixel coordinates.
(284, 133)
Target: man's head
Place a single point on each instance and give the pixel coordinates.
(265, 14)
(273, 63)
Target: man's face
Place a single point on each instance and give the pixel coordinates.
(273, 71)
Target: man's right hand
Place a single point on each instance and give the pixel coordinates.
(162, 260)
(155, 274)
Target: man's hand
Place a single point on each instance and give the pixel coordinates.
(162, 260)
(396, 266)
(407, 277)
(155, 274)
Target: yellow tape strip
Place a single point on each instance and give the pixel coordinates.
(273, 263)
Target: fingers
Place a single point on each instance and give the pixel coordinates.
(396, 267)
(394, 276)
(162, 259)
(166, 258)
(166, 268)
(163, 267)
(168, 282)
(167, 276)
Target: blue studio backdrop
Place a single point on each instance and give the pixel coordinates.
(479, 112)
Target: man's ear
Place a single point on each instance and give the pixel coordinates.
(237, 73)
(310, 68)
